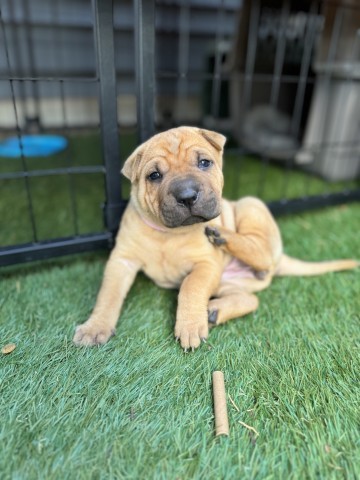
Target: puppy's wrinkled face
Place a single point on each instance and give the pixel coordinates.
(177, 176)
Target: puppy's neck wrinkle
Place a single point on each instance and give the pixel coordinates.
(152, 225)
(136, 208)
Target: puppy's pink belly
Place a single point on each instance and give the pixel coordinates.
(237, 269)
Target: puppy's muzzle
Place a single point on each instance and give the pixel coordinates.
(188, 201)
(186, 192)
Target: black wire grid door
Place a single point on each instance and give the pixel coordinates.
(154, 74)
(105, 82)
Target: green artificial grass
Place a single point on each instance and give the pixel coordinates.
(139, 407)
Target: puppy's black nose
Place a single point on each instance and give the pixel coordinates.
(186, 192)
(187, 197)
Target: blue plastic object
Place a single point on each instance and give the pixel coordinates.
(32, 146)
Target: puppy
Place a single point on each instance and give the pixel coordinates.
(179, 231)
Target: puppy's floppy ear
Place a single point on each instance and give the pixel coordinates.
(215, 139)
(131, 165)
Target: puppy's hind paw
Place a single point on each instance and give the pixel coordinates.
(260, 274)
(213, 317)
(214, 236)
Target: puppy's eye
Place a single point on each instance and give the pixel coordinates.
(203, 163)
(155, 176)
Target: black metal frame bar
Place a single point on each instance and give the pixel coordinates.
(105, 53)
(299, 205)
(30, 252)
(53, 171)
(144, 13)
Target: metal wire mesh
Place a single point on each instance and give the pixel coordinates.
(46, 209)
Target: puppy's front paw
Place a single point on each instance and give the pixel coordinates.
(214, 236)
(90, 334)
(191, 334)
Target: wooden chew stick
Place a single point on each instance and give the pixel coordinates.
(221, 417)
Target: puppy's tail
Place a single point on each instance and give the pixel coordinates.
(293, 266)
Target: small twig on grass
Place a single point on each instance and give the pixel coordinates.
(249, 428)
(233, 403)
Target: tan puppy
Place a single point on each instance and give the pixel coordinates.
(182, 234)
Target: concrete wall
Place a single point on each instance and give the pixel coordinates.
(54, 39)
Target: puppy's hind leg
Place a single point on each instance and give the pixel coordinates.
(256, 240)
(231, 303)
